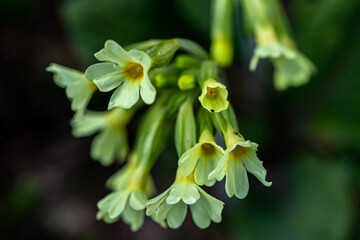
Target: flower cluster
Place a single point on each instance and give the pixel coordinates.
(176, 81)
(172, 84)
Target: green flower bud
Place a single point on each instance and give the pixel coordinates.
(221, 48)
(204, 121)
(185, 61)
(165, 77)
(187, 79)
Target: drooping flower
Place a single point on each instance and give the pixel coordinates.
(125, 71)
(292, 68)
(267, 21)
(214, 96)
(131, 188)
(201, 159)
(239, 157)
(78, 88)
(170, 207)
(111, 143)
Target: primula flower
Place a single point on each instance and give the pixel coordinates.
(126, 71)
(128, 204)
(214, 96)
(292, 68)
(202, 159)
(111, 143)
(273, 40)
(131, 188)
(171, 205)
(240, 156)
(78, 88)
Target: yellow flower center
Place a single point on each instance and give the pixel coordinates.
(212, 93)
(133, 71)
(239, 152)
(207, 149)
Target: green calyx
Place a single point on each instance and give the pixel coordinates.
(225, 121)
(185, 129)
(162, 53)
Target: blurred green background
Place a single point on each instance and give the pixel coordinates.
(309, 136)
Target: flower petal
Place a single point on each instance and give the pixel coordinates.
(191, 194)
(236, 179)
(219, 171)
(134, 218)
(113, 52)
(213, 207)
(176, 193)
(106, 76)
(189, 159)
(125, 96)
(292, 72)
(137, 200)
(114, 203)
(142, 58)
(255, 167)
(176, 215)
(273, 50)
(78, 88)
(158, 198)
(89, 124)
(147, 90)
(199, 214)
(204, 167)
(109, 145)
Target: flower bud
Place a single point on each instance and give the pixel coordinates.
(187, 79)
(221, 48)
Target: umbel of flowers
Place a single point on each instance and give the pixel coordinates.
(178, 86)
(151, 73)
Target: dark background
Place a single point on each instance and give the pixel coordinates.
(309, 136)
